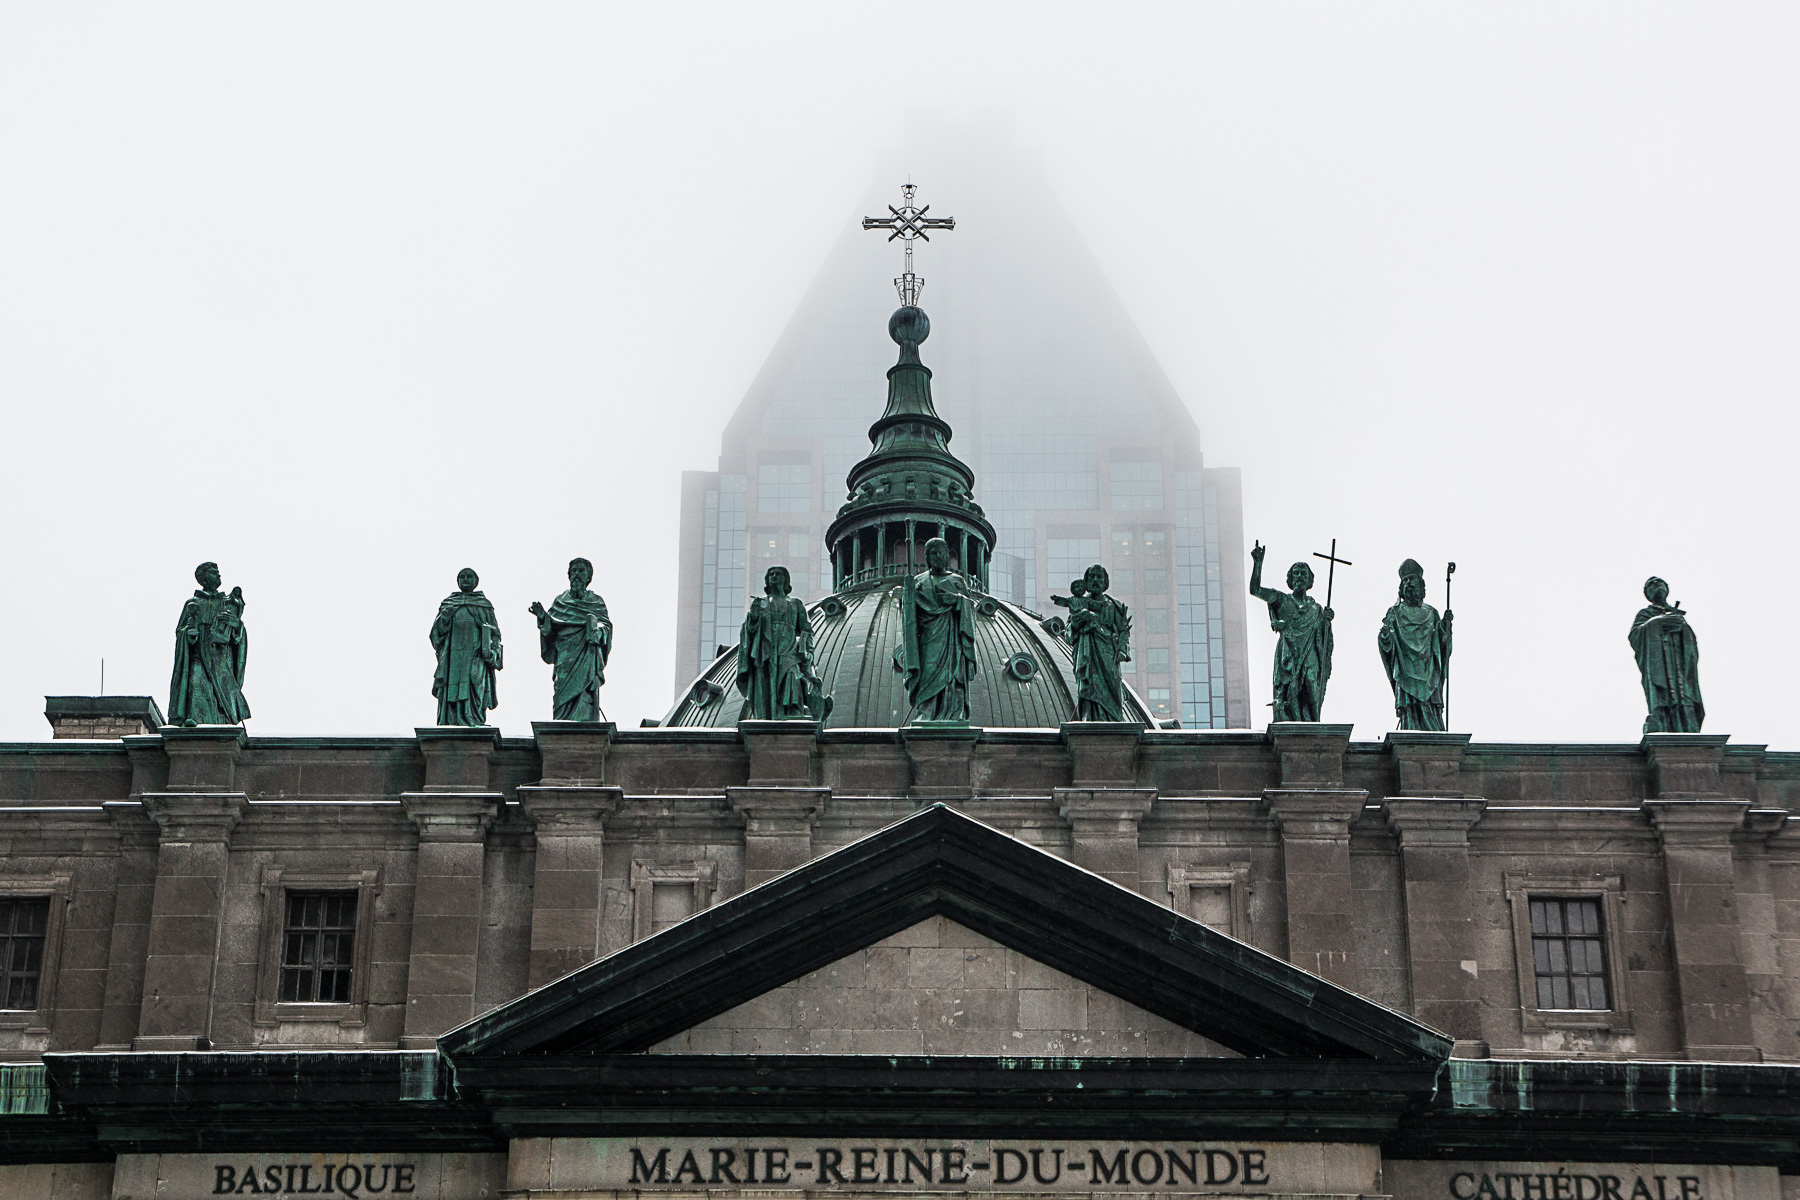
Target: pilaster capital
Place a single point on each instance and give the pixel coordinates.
(1427, 763)
(1311, 753)
(1685, 765)
(782, 753)
(196, 816)
(773, 810)
(1102, 753)
(1315, 814)
(573, 752)
(1091, 811)
(1696, 824)
(1426, 821)
(458, 757)
(565, 811)
(451, 816)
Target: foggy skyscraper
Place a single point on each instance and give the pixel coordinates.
(1082, 450)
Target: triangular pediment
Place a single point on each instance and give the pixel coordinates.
(935, 988)
(940, 863)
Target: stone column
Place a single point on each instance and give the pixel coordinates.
(1315, 810)
(778, 827)
(1440, 910)
(570, 860)
(193, 863)
(1103, 829)
(452, 815)
(1694, 821)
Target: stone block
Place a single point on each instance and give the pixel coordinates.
(573, 753)
(1102, 753)
(935, 967)
(457, 758)
(1685, 765)
(202, 759)
(781, 753)
(941, 758)
(1311, 754)
(1427, 764)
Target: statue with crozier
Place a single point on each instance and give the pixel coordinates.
(466, 637)
(1415, 651)
(1303, 655)
(575, 637)
(1100, 635)
(1668, 659)
(211, 647)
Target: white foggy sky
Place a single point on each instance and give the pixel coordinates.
(348, 297)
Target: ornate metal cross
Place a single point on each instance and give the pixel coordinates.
(1331, 571)
(908, 223)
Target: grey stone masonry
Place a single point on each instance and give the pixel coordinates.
(1315, 811)
(485, 866)
(95, 717)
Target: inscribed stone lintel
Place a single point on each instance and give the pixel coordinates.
(970, 1165)
(1477, 1180)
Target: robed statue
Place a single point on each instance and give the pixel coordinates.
(575, 637)
(937, 649)
(1303, 654)
(1668, 660)
(1100, 636)
(211, 647)
(1415, 650)
(774, 660)
(466, 636)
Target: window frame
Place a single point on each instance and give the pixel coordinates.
(59, 890)
(1521, 889)
(277, 882)
(702, 874)
(1184, 878)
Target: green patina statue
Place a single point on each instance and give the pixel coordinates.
(466, 636)
(774, 660)
(575, 637)
(1100, 635)
(211, 647)
(937, 651)
(1415, 649)
(1668, 660)
(1303, 655)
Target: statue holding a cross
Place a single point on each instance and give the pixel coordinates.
(1303, 655)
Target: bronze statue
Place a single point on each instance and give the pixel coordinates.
(1303, 655)
(937, 650)
(466, 637)
(1415, 650)
(575, 637)
(1100, 634)
(211, 648)
(1668, 659)
(774, 661)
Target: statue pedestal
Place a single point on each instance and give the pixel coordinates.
(1311, 753)
(1686, 765)
(782, 753)
(457, 757)
(942, 754)
(1428, 764)
(573, 752)
(202, 758)
(1102, 752)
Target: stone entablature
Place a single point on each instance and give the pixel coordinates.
(1401, 869)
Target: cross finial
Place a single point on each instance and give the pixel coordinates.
(908, 223)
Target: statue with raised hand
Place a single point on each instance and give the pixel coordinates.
(466, 637)
(1668, 659)
(1303, 655)
(937, 650)
(775, 646)
(1100, 633)
(575, 637)
(211, 648)
(1415, 650)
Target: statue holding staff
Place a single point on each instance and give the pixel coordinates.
(575, 637)
(211, 648)
(775, 648)
(937, 650)
(1668, 659)
(1100, 633)
(466, 637)
(1415, 650)
(1303, 655)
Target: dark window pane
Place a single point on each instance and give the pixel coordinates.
(23, 921)
(1569, 954)
(317, 948)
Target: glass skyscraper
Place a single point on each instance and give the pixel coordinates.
(1082, 450)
